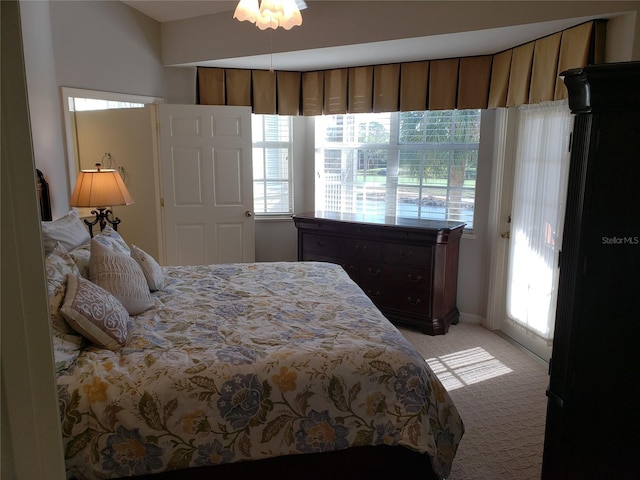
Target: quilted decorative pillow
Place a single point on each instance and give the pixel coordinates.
(120, 275)
(69, 230)
(95, 313)
(109, 238)
(152, 271)
(58, 265)
(113, 240)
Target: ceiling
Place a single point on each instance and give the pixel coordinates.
(433, 47)
(167, 10)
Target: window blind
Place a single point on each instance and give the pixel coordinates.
(419, 164)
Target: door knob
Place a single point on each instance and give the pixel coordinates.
(248, 213)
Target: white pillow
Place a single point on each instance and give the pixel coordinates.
(152, 271)
(121, 276)
(69, 230)
(95, 313)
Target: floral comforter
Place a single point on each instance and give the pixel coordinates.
(248, 361)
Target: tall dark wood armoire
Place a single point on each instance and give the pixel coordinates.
(593, 411)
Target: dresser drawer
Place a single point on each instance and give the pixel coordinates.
(374, 290)
(361, 249)
(417, 236)
(396, 278)
(363, 231)
(408, 278)
(410, 300)
(318, 226)
(395, 253)
(322, 244)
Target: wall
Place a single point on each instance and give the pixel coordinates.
(44, 102)
(106, 46)
(623, 37)
(180, 85)
(473, 270)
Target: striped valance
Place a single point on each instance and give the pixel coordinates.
(521, 75)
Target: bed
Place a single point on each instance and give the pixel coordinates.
(254, 369)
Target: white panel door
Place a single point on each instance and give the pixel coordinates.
(207, 184)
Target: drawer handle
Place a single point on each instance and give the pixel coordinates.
(404, 254)
(413, 302)
(374, 273)
(415, 279)
(360, 249)
(322, 243)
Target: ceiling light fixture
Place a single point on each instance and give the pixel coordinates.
(271, 13)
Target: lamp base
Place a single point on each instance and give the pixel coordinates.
(102, 218)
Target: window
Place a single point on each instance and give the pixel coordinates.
(77, 104)
(272, 175)
(406, 164)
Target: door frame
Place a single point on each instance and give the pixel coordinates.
(499, 211)
(67, 93)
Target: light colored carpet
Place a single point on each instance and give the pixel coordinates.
(500, 393)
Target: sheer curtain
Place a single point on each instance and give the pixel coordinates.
(541, 170)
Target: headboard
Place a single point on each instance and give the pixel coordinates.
(43, 197)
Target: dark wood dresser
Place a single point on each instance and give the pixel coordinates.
(408, 267)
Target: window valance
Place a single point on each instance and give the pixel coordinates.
(522, 75)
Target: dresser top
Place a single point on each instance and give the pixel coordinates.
(382, 220)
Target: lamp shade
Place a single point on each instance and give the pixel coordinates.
(247, 10)
(269, 13)
(100, 188)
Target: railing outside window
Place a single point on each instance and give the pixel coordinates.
(408, 164)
